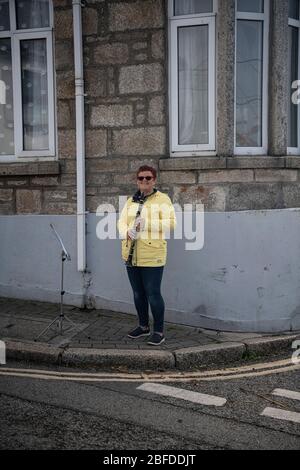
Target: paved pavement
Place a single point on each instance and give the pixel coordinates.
(98, 338)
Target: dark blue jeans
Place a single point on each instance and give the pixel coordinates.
(145, 283)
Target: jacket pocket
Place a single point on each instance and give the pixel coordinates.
(125, 248)
(152, 250)
(153, 244)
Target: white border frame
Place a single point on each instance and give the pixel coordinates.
(296, 24)
(265, 18)
(177, 150)
(16, 36)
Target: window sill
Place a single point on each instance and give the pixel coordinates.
(33, 168)
(221, 163)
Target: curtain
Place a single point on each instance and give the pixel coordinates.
(4, 15)
(294, 9)
(193, 84)
(32, 14)
(249, 83)
(6, 99)
(190, 7)
(34, 94)
(293, 75)
(251, 6)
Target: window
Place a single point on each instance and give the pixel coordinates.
(294, 75)
(251, 77)
(192, 76)
(26, 79)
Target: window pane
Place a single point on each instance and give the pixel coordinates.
(249, 77)
(193, 84)
(4, 15)
(293, 75)
(6, 100)
(34, 94)
(190, 7)
(251, 6)
(294, 9)
(32, 13)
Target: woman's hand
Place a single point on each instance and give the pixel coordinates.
(131, 234)
(140, 224)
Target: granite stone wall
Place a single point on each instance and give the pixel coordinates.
(125, 50)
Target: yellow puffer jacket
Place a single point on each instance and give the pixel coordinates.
(150, 246)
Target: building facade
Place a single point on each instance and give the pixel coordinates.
(206, 91)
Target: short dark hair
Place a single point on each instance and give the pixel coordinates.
(146, 168)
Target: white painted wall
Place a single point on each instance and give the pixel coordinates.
(246, 277)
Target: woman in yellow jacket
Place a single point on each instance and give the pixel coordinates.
(147, 232)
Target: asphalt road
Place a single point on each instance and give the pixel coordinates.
(59, 414)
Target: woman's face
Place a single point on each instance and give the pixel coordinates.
(146, 185)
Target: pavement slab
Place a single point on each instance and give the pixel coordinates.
(99, 338)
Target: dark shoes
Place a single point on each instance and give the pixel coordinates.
(156, 339)
(138, 332)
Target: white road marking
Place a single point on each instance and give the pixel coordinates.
(280, 392)
(188, 395)
(281, 414)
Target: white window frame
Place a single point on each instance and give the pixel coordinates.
(296, 24)
(265, 18)
(177, 150)
(17, 35)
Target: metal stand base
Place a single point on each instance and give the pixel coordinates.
(61, 317)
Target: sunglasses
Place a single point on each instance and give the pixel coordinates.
(141, 178)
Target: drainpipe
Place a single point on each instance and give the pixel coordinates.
(80, 135)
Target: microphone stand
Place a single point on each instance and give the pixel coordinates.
(61, 317)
